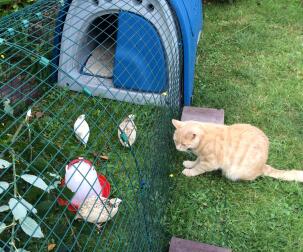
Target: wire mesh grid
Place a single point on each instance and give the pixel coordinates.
(63, 175)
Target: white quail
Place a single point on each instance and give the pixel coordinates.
(98, 210)
(127, 131)
(81, 129)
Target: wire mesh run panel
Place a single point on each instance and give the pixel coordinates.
(124, 50)
(79, 171)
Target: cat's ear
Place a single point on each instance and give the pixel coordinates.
(177, 124)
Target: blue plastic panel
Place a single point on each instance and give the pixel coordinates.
(189, 14)
(139, 59)
(193, 9)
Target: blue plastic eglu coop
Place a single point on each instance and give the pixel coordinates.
(126, 50)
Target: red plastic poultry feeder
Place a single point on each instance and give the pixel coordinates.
(105, 185)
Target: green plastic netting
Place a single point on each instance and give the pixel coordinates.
(58, 61)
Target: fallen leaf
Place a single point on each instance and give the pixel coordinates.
(51, 246)
(39, 114)
(103, 157)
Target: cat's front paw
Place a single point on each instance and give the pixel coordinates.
(188, 164)
(188, 172)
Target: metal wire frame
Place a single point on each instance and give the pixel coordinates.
(138, 175)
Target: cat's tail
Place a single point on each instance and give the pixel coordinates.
(288, 175)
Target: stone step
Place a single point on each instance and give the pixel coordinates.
(181, 245)
(203, 115)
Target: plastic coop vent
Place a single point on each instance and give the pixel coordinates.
(134, 51)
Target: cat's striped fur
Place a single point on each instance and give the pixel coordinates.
(239, 150)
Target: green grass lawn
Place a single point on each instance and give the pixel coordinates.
(250, 63)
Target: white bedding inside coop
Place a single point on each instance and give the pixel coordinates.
(101, 61)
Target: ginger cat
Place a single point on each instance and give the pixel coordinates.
(239, 150)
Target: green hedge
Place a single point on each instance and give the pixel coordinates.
(8, 6)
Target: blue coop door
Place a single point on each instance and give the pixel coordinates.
(139, 58)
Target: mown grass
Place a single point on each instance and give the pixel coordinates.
(250, 64)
